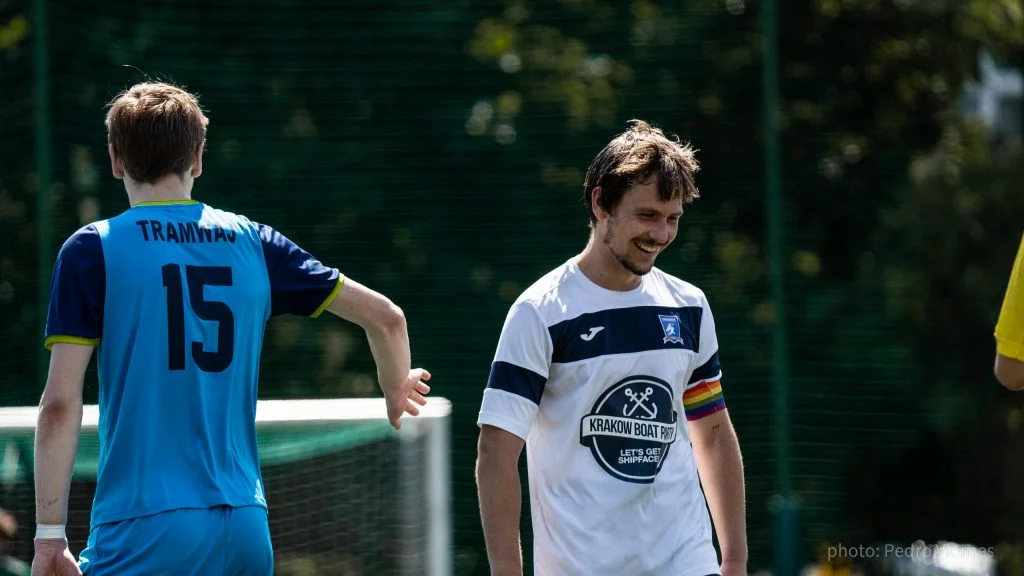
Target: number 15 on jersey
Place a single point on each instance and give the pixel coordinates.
(197, 277)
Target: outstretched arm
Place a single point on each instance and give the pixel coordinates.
(386, 331)
(720, 466)
(300, 284)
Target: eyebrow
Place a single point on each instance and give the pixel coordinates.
(656, 211)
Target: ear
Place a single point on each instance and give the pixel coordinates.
(197, 162)
(595, 204)
(116, 166)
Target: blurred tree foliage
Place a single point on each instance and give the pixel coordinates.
(436, 150)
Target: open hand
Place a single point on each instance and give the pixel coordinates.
(404, 398)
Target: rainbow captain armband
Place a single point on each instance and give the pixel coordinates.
(703, 399)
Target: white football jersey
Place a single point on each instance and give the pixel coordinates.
(601, 384)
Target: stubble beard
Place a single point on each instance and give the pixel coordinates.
(623, 259)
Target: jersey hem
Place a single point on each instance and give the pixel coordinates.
(110, 518)
(330, 297)
(62, 339)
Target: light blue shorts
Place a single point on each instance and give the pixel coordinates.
(220, 541)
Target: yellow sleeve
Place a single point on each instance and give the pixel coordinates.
(1010, 327)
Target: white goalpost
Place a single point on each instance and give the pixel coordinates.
(347, 494)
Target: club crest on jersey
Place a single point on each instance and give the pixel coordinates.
(670, 326)
(631, 428)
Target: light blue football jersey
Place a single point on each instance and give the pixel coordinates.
(176, 297)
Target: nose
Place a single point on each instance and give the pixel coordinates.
(661, 233)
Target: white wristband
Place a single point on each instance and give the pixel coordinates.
(50, 532)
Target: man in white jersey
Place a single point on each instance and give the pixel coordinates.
(607, 370)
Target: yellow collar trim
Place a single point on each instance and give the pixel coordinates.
(167, 203)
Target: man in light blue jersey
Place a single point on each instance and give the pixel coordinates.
(176, 295)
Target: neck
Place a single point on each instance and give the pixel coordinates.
(602, 268)
(170, 188)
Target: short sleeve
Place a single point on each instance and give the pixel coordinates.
(299, 283)
(1010, 326)
(77, 291)
(519, 372)
(703, 395)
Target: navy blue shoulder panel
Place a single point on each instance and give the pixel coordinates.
(77, 289)
(299, 283)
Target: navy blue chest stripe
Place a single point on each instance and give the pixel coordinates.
(625, 331)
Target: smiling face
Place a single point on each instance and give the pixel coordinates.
(640, 228)
(634, 191)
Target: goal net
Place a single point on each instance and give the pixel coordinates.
(348, 495)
